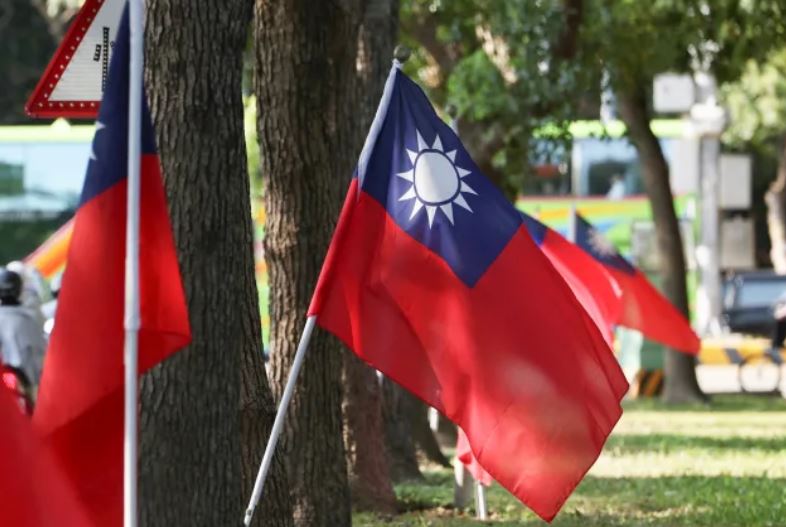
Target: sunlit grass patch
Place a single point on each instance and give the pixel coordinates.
(723, 465)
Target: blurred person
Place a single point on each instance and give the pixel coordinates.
(617, 188)
(35, 290)
(22, 342)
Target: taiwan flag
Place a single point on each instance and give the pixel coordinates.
(80, 406)
(644, 308)
(433, 279)
(592, 284)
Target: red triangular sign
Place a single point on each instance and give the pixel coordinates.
(73, 83)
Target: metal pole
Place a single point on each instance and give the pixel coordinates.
(278, 424)
(132, 318)
(480, 500)
(710, 227)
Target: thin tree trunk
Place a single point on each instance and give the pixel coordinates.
(424, 437)
(305, 57)
(367, 462)
(680, 384)
(192, 424)
(775, 198)
(396, 403)
(364, 431)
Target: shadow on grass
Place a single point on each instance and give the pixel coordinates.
(718, 403)
(700, 501)
(665, 443)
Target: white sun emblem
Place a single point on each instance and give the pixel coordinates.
(437, 182)
(601, 244)
(99, 126)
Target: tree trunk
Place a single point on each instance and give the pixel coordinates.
(367, 463)
(424, 437)
(396, 403)
(680, 384)
(197, 407)
(364, 431)
(775, 198)
(305, 58)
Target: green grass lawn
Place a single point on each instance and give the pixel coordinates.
(719, 466)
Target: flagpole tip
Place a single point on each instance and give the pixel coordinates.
(402, 53)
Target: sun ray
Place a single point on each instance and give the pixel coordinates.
(451, 155)
(463, 172)
(431, 210)
(412, 156)
(447, 208)
(409, 175)
(438, 144)
(416, 208)
(460, 201)
(467, 188)
(410, 194)
(421, 143)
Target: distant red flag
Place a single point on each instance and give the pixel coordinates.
(432, 278)
(644, 308)
(592, 284)
(467, 458)
(80, 406)
(33, 490)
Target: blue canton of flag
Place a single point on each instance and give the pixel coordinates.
(433, 190)
(592, 240)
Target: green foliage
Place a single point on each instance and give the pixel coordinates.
(757, 103)
(663, 466)
(496, 62)
(519, 66)
(252, 145)
(477, 88)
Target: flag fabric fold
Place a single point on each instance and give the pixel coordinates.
(466, 457)
(432, 278)
(593, 285)
(643, 307)
(80, 405)
(33, 490)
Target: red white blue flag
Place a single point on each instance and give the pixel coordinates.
(433, 279)
(80, 407)
(643, 308)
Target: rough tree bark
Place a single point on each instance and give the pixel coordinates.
(364, 433)
(775, 198)
(396, 406)
(680, 384)
(305, 58)
(202, 420)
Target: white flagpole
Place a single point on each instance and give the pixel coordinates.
(480, 500)
(132, 321)
(289, 389)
